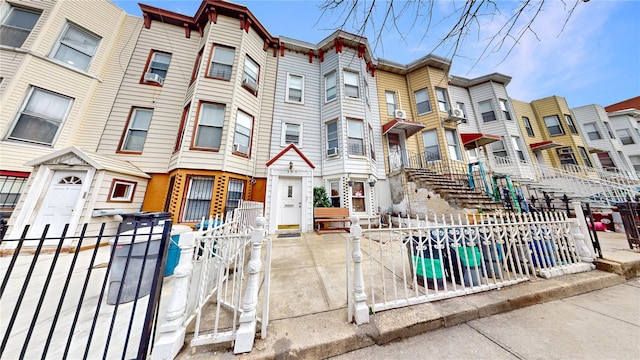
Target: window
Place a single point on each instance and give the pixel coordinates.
(357, 197)
(527, 126)
(592, 131)
(41, 117)
(334, 193)
(235, 193)
(366, 93)
(635, 161)
(332, 138)
(221, 62)
(498, 149)
(122, 191)
(351, 84)
(330, 86)
(158, 64)
(391, 102)
(423, 104)
(504, 107)
(585, 156)
(372, 149)
(11, 187)
(460, 106)
(431, 145)
(295, 88)
(553, 125)
(250, 74)
(244, 129)
(355, 133)
(17, 26)
(183, 122)
(487, 111)
(196, 66)
(209, 126)
(625, 136)
(566, 156)
(453, 145)
(198, 200)
(136, 132)
(608, 127)
(570, 124)
(76, 47)
(606, 161)
(443, 103)
(291, 134)
(517, 145)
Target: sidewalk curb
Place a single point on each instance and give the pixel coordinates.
(329, 334)
(629, 269)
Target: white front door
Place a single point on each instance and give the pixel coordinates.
(290, 203)
(58, 203)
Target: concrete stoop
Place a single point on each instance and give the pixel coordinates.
(328, 334)
(629, 269)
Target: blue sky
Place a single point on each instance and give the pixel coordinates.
(595, 59)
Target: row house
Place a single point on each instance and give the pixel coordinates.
(625, 120)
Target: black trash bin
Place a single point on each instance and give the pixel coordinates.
(426, 261)
(143, 219)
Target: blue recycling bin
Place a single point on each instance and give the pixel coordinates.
(173, 254)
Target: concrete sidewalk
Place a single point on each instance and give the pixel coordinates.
(308, 315)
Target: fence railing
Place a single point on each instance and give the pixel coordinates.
(423, 261)
(100, 302)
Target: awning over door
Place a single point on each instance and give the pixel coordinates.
(410, 127)
(543, 145)
(474, 140)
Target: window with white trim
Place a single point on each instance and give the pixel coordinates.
(221, 65)
(250, 75)
(498, 149)
(291, 134)
(443, 101)
(453, 145)
(41, 117)
(209, 126)
(332, 138)
(517, 145)
(243, 133)
(10, 189)
(605, 160)
(17, 25)
(608, 127)
(351, 84)
(635, 161)
(372, 149)
(504, 107)
(198, 199)
(159, 65)
(355, 133)
(295, 88)
(330, 86)
(334, 193)
(431, 145)
(423, 104)
(76, 47)
(460, 106)
(366, 93)
(527, 126)
(553, 125)
(358, 203)
(136, 132)
(570, 124)
(592, 131)
(122, 191)
(625, 136)
(486, 110)
(235, 193)
(566, 156)
(585, 156)
(390, 97)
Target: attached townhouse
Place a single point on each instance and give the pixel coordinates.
(625, 120)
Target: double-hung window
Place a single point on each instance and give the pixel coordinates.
(431, 145)
(592, 131)
(460, 106)
(498, 149)
(10, 189)
(423, 105)
(291, 134)
(625, 136)
(553, 125)
(17, 26)
(358, 197)
(443, 102)
(372, 149)
(244, 130)
(504, 107)
(517, 145)
(570, 124)
(221, 62)
(355, 133)
(391, 102)
(566, 156)
(209, 126)
(332, 138)
(76, 47)
(334, 193)
(196, 66)
(157, 68)
(136, 132)
(250, 75)
(635, 161)
(453, 145)
(330, 86)
(41, 117)
(605, 160)
(198, 199)
(181, 129)
(486, 109)
(585, 156)
(235, 193)
(366, 93)
(527, 126)
(351, 84)
(608, 127)
(295, 88)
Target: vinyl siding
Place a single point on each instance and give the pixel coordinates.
(461, 94)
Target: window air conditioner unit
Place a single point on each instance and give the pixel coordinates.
(250, 83)
(456, 113)
(332, 152)
(153, 78)
(239, 148)
(566, 150)
(400, 114)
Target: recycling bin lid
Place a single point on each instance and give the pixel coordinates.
(141, 235)
(179, 229)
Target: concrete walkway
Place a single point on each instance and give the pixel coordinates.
(308, 315)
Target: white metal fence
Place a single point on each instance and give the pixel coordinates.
(423, 261)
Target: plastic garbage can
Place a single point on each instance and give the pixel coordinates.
(426, 262)
(136, 246)
(173, 254)
(470, 258)
(144, 219)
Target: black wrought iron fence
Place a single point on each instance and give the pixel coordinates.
(74, 296)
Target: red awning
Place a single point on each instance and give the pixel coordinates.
(474, 140)
(543, 145)
(410, 127)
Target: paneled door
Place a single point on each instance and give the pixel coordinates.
(290, 203)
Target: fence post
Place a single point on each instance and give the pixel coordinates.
(172, 331)
(360, 310)
(584, 230)
(248, 319)
(580, 242)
